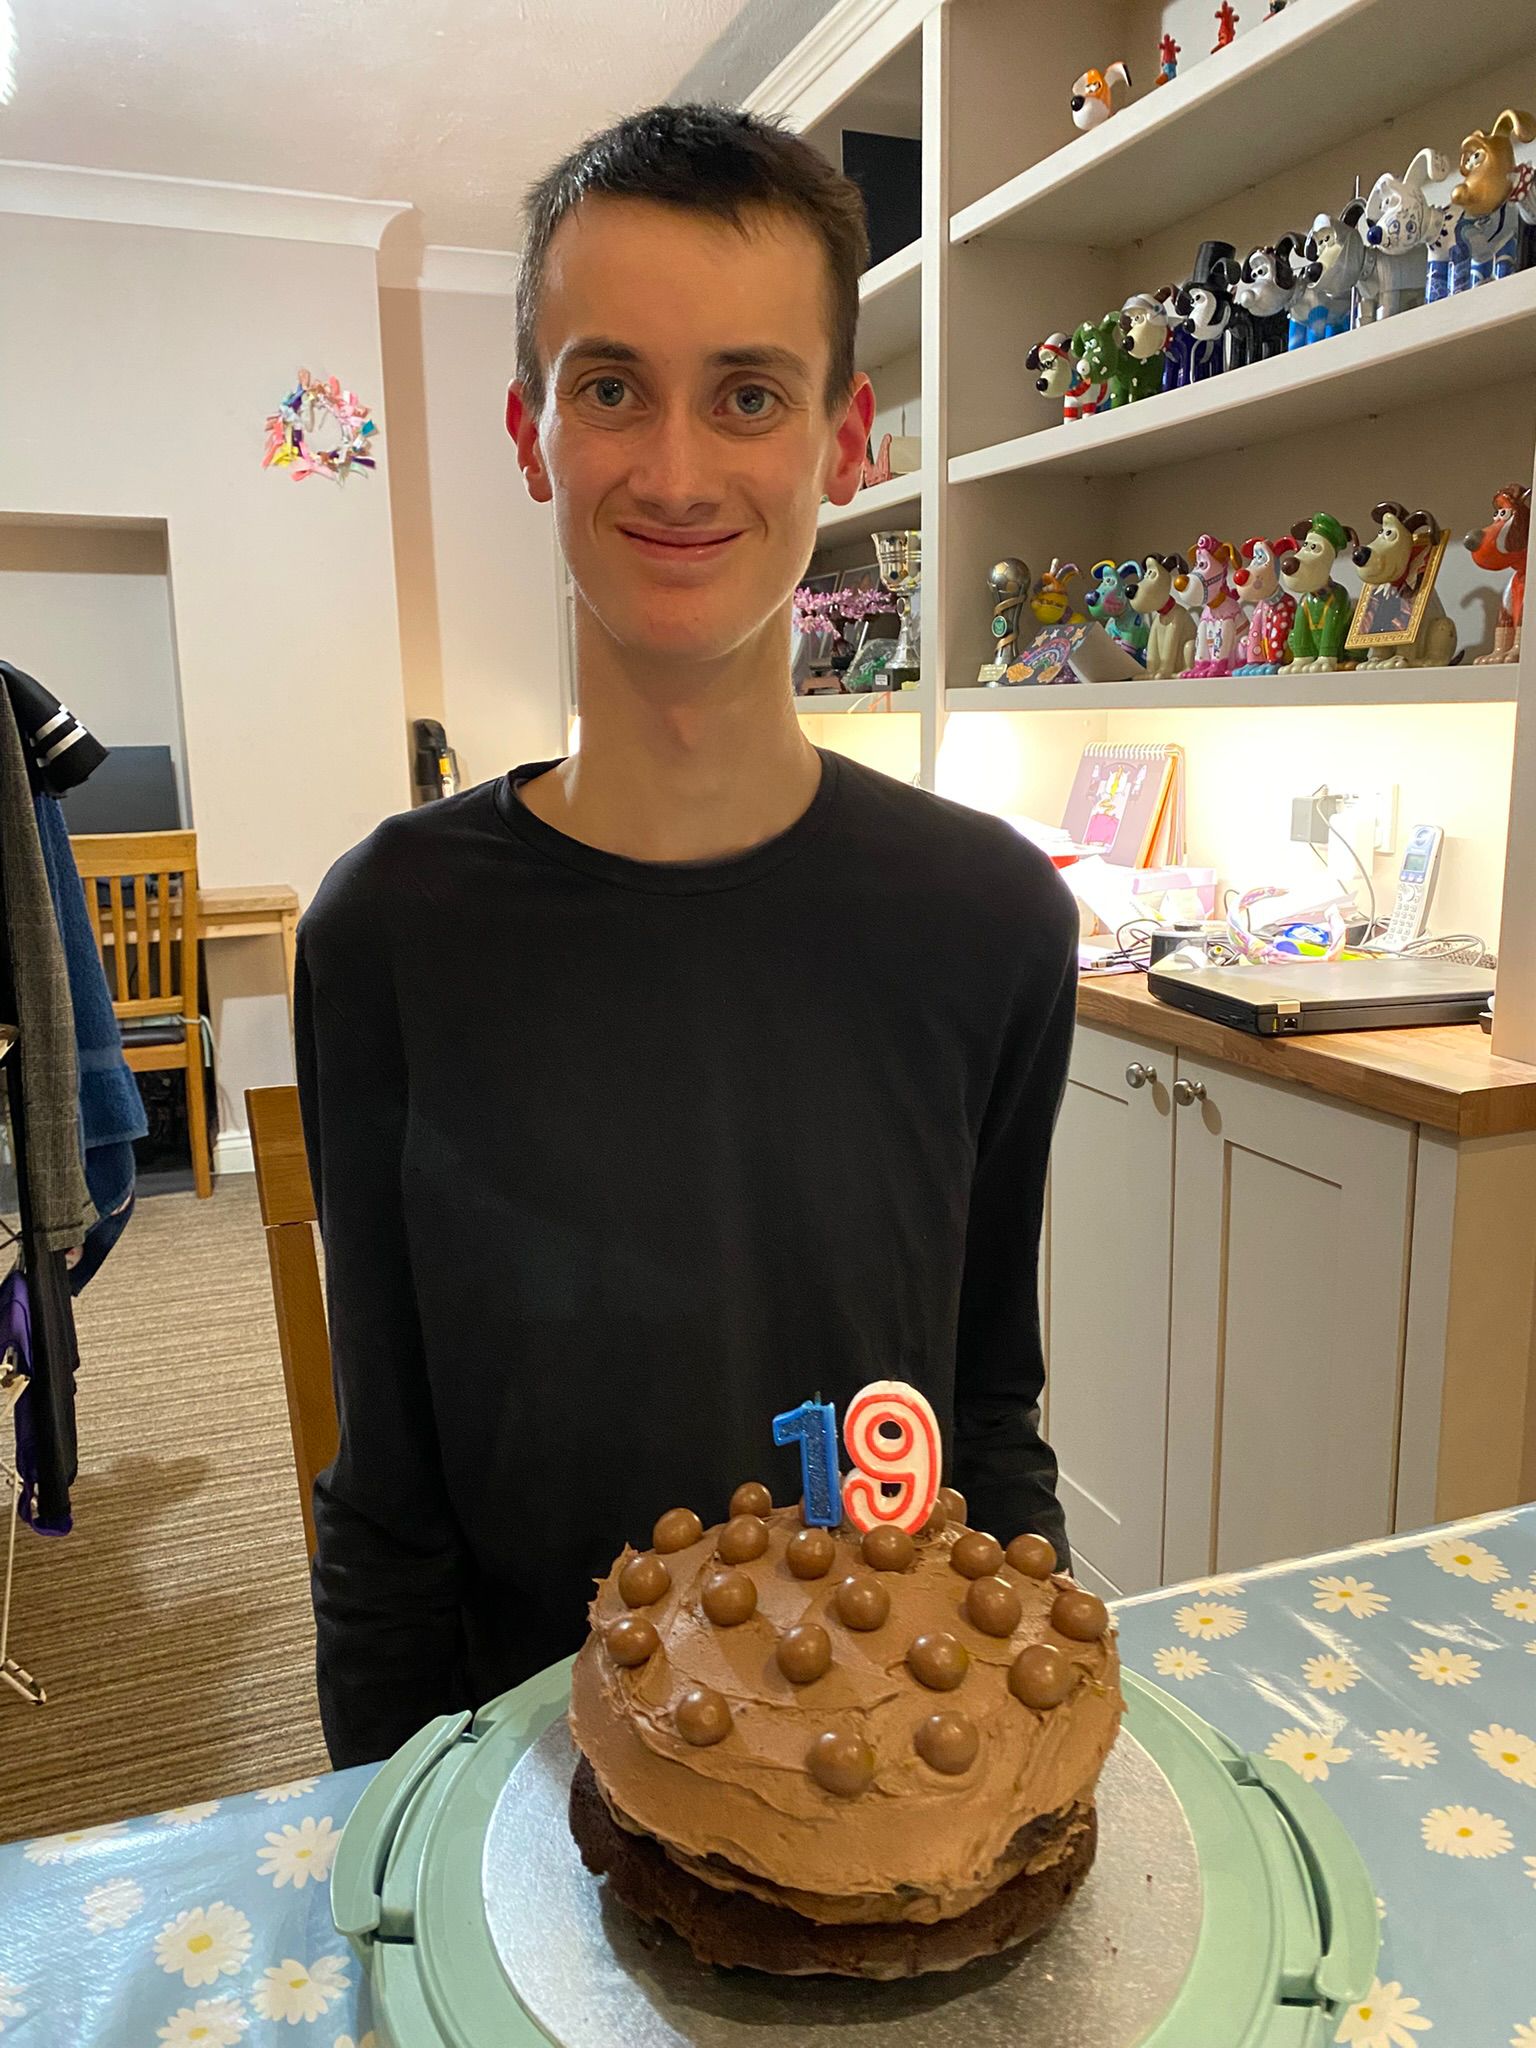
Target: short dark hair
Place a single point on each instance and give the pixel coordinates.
(712, 160)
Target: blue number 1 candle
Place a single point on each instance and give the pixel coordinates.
(814, 1426)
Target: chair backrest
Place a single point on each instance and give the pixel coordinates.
(147, 930)
(288, 1215)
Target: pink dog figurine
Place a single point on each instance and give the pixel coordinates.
(1257, 583)
(1221, 616)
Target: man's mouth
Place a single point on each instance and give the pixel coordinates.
(681, 545)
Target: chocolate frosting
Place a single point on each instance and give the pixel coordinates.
(746, 1812)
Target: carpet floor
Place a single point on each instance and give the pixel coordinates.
(172, 1629)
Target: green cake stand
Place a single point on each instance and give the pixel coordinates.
(1227, 1908)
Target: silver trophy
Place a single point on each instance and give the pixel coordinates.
(1008, 581)
(900, 558)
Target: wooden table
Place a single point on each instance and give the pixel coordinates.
(252, 911)
(1443, 1075)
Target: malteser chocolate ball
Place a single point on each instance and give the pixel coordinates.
(644, 1579)
(1041, 1676)
(937, 1522)
(810, 1553)
(729, 1598)
(861, 1602)
(1082, 1616)
(804, 1652)
(938, 1661)
(631, 1640)
(953, 1504)
(887, 1549)
(677, 1528)
(743, 1538)
(751, 1498)
(1033, 1557)
(993, 1606)
(976, 1555)
(843, 1764)
(702, 1717)
(948, 1743)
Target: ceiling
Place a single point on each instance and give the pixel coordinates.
(453, 105)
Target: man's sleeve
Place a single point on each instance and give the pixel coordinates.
(1002, 1464)
(388, 1565)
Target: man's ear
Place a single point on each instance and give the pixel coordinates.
(524, 429)
(845, 467)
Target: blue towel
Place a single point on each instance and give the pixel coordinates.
(111, 1108)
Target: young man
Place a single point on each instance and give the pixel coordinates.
(649, 1091)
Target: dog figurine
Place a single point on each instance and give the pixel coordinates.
(1171, 627)
(1397, 555)
(1200, 312)
(1144, 330)
(1496, 195)
(1414, 236)
(1093, 96)
(1054, 362)
(1050, 600)
(1320, 629)
(1262, 298)
(1221, 615)
(1257, 583)
(1333, 262)
(1500, 545)
(1106, 361)
(1109, 604)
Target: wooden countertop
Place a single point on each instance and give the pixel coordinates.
(1445, 1075)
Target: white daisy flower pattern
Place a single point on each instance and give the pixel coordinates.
(369, 2040)
(211, 2023)
(11, 2007)
(1330, 1673)
(69, 1848)
(1530, 1868)
(1407, 1746)
(299, 1854)
(1516, 1603)
(112, 1904)
(1445, 1667)
(204, 1943)
(1524, 2035)
(1180, 1663)
(1349, 1596)
(1309, 1756)
(296, 1788)
(1384, 2018)
(188, 1816)
(1464, 1831)
(298, 1991)
(1209, 1621)
(1505, 1750)
(1466, 1560)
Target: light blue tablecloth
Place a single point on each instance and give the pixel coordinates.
(1399, 1678)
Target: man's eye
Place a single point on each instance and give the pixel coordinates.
(759, 401)
(608, 391)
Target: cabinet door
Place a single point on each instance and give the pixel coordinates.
(1107, 1306)
(1290, 1255)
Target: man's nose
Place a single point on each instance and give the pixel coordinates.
(674, 464)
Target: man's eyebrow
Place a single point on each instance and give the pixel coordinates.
(592, 348)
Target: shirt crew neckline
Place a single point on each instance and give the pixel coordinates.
(664, 877)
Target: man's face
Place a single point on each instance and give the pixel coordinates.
(684, 440)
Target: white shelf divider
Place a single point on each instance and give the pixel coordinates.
(1464, 684)
(890, 306)
(871, 703)
(878, 507)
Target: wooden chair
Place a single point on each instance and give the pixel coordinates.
(147, 939)
(288, 1214)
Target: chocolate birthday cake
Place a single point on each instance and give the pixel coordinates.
(807, 1750)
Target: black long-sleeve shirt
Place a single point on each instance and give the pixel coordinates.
(617, 1159)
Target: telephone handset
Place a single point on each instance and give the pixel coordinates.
(1415, 886)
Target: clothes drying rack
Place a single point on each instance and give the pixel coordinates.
(12, 1385)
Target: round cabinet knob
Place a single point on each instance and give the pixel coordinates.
(1138, 1076)
(1187, 1092)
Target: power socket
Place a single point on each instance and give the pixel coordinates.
(1385, 801)
(1310, 816)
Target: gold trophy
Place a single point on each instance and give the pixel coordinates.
(899, 556)
(1008, 580)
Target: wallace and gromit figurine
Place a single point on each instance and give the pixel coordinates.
(1272, 611)
(1201, 311)
(1054, 362)
(1226, 26)
(1262, 297)
(1093, 96)
(1397, 568)
(1106, 361)
(1144, 331)
(1332, 263)
(1496, 196)
(1171, 627)
(1108, 602)
(1320, 631)
(1221, 615)
(1167, 60)
(1501, 545)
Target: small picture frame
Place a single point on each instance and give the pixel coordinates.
(1386, 615)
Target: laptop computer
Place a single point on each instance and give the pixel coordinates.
(1374, 994)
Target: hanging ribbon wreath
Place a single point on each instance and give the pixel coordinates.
(314, 408)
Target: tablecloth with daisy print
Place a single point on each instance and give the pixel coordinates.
(1398, 1678)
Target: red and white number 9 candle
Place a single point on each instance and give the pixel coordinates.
(892, 1438)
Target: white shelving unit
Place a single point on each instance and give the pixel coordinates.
(1029, 227)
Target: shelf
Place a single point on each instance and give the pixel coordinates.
(890, 306)
(873, 703)
(881, 506)
(1289, 86)
(1466, 684)
(1460, 341)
